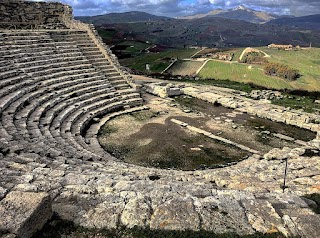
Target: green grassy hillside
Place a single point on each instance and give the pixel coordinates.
(241, 73)
(306, 61)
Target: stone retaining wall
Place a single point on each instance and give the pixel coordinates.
(41, 13)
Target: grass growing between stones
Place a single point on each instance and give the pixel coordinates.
(58, 228)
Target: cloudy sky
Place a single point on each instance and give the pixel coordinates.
(175, 8)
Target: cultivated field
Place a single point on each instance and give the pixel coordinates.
(157, 61)
(185, 67)
(134, 46)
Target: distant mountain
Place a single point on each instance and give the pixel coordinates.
(238, 13)
(211, 32)
(305, 22)
(125, 17)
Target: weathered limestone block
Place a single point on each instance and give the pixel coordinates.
(163, 90)
(303, 225)
(174, 91)
(263, 217)
(308, 225)
(222, 214)
(277, 154)
(3, 191)
(104, 215)
(176, 214)
(137, 212)
(283, 137)
(23, 213)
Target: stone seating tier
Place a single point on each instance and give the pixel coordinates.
(42, 81)
(57, 88)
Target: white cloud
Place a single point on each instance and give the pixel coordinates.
(183, 7)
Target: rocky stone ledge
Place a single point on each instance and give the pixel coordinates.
(23, 213)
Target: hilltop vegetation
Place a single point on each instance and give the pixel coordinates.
(306, 61)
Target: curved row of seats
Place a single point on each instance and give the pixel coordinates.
(53, 85)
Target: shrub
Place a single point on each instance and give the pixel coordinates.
(281, 70)
(253, 58)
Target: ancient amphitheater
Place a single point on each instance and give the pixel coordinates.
(59, 83)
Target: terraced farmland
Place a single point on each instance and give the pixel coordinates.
(157, 61)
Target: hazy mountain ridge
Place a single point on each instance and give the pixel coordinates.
(124, 17)
(212, 32)
(207, 31)
(304, 22)
(238, 13)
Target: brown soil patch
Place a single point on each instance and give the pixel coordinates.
(149, 138)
